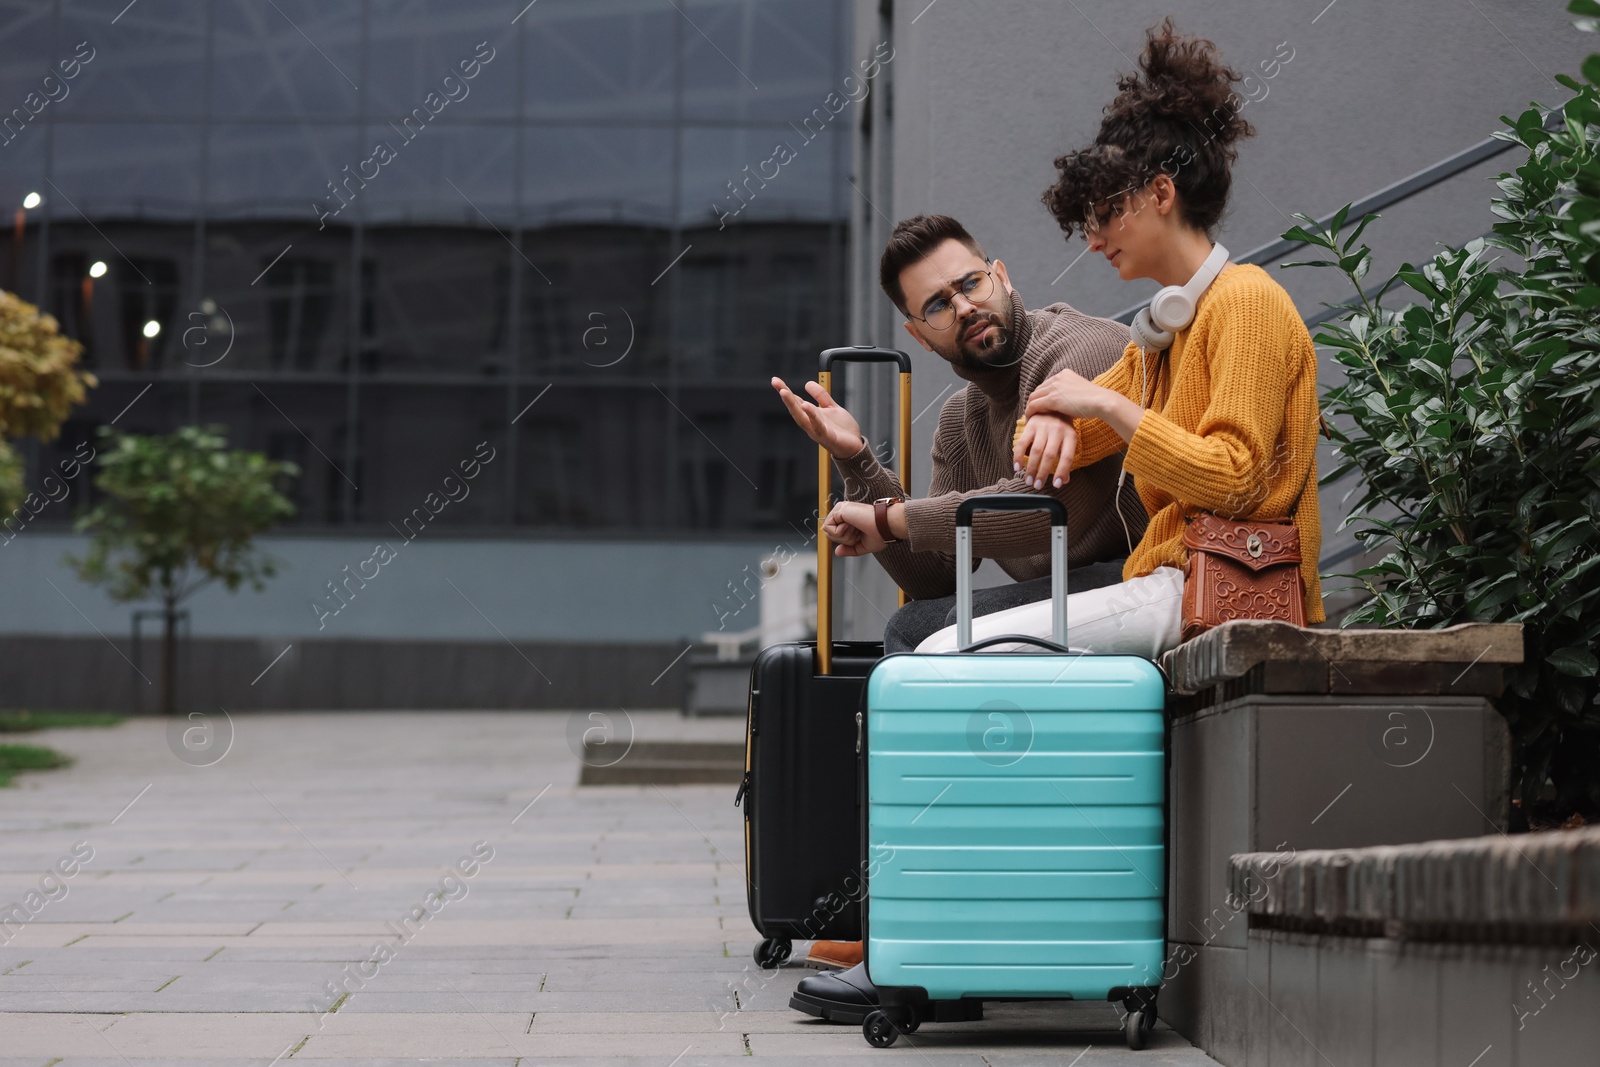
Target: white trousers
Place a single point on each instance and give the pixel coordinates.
(1140, 617)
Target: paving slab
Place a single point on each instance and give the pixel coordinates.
(226, 908)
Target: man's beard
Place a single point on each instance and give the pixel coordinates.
(990, 351)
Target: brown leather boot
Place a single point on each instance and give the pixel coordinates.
(840, 954)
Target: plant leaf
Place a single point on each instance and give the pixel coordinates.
(1578, 662)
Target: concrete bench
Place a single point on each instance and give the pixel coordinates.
(1287, 739)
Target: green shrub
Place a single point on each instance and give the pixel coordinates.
(1471, 416)
(176, 513)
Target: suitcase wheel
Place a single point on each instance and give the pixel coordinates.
(879, 1030)
(1136, 1027)
(772, 952)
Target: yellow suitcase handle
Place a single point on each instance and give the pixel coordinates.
(857, 354)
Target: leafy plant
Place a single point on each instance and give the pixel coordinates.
(39, 385)
(176, 513)
(1471, 416)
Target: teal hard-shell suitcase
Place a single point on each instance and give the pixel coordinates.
(1015, 828)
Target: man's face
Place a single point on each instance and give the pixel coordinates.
(979, 336)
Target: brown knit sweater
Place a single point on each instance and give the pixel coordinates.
(972, 456)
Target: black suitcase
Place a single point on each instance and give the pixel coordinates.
(802, 828)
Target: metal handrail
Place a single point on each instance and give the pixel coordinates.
(1391, 194)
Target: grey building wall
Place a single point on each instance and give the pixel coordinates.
(984, 96)
(446, 623)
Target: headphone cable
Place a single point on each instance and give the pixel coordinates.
(1122, 475)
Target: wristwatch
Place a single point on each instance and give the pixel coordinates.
(880, 513)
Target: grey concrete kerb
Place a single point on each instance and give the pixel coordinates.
(1489, 888)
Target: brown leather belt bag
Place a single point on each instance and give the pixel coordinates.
(1241, 569)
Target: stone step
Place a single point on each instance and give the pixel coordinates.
(1494, 888)
(664, 763)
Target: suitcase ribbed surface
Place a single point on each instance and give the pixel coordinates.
(1015, 820)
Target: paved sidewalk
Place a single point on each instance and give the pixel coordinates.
(215, 913)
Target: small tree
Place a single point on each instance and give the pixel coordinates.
(1473, 419)
(39, 385)
(177, 513)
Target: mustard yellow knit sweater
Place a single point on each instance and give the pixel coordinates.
(1233, 423)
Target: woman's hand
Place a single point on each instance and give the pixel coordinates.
(1069, 393)
(1066, 392)
(1045, 449)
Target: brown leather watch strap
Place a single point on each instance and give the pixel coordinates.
(880, 514)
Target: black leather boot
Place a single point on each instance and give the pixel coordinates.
(837, 996)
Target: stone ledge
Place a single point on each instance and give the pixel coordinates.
(664, 763)
(1275, 657)
(1488, 889)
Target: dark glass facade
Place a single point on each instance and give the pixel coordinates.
(372, 235)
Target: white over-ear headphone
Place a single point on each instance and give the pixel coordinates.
(1173, 307)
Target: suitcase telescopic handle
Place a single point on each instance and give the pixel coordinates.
(863, 354)
(853, 354)
(1058, 558)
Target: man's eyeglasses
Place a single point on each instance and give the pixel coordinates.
(940, 313)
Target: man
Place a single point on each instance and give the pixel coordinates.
(960, 305)
(968, 313)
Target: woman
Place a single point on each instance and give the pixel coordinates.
(1225, 418)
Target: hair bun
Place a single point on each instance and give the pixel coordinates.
(1183, 80)
(1176, 116)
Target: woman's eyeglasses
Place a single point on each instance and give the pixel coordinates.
(940, 313)
(1097, 217)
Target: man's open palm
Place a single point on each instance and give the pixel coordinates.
(825, 422)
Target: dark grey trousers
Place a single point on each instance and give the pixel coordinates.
(921, 619)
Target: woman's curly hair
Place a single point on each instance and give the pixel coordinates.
(1179, 116)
